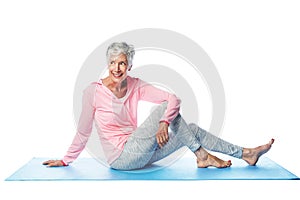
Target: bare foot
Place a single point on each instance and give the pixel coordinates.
(251, 155)
(213, 161)
(205, 159)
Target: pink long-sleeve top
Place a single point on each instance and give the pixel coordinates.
(116, 118)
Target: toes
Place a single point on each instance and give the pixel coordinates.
(229, 163)
(272, 141)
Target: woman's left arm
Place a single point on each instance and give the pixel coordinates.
(153, 94)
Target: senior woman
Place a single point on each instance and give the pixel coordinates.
(111, 103)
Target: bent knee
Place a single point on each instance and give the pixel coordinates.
(193, 126)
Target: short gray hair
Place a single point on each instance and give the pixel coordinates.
(118, 48)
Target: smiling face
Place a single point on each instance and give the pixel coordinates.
(118, 66)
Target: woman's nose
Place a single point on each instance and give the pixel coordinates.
(117, 67)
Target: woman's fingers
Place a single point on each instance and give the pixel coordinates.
(162, 139)
(53, 163)
(48, 162)
(162, 135)
(161, 142)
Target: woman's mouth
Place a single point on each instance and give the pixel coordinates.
(117, 75)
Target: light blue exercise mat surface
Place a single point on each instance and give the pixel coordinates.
(89, 169)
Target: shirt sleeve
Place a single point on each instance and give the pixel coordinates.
(85, 125)
(153, 94)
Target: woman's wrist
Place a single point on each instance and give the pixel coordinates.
(64, 163)
(164, 121)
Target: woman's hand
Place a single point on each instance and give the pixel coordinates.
(54, 163)
(162, 135)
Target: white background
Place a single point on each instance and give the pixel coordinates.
(255, 46)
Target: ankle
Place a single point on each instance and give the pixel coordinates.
(246, 152)
(201, 154)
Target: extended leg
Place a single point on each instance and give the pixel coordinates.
(213, 143)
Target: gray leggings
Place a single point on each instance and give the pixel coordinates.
(142, 148)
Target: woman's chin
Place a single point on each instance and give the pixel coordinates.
(118, 79)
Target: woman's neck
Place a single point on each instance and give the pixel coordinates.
(115, 86)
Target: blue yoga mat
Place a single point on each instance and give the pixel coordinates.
(89, 169)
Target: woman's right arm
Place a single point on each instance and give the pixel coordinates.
(84, 129)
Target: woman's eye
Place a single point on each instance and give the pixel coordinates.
(123, 63)
(112, 62)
